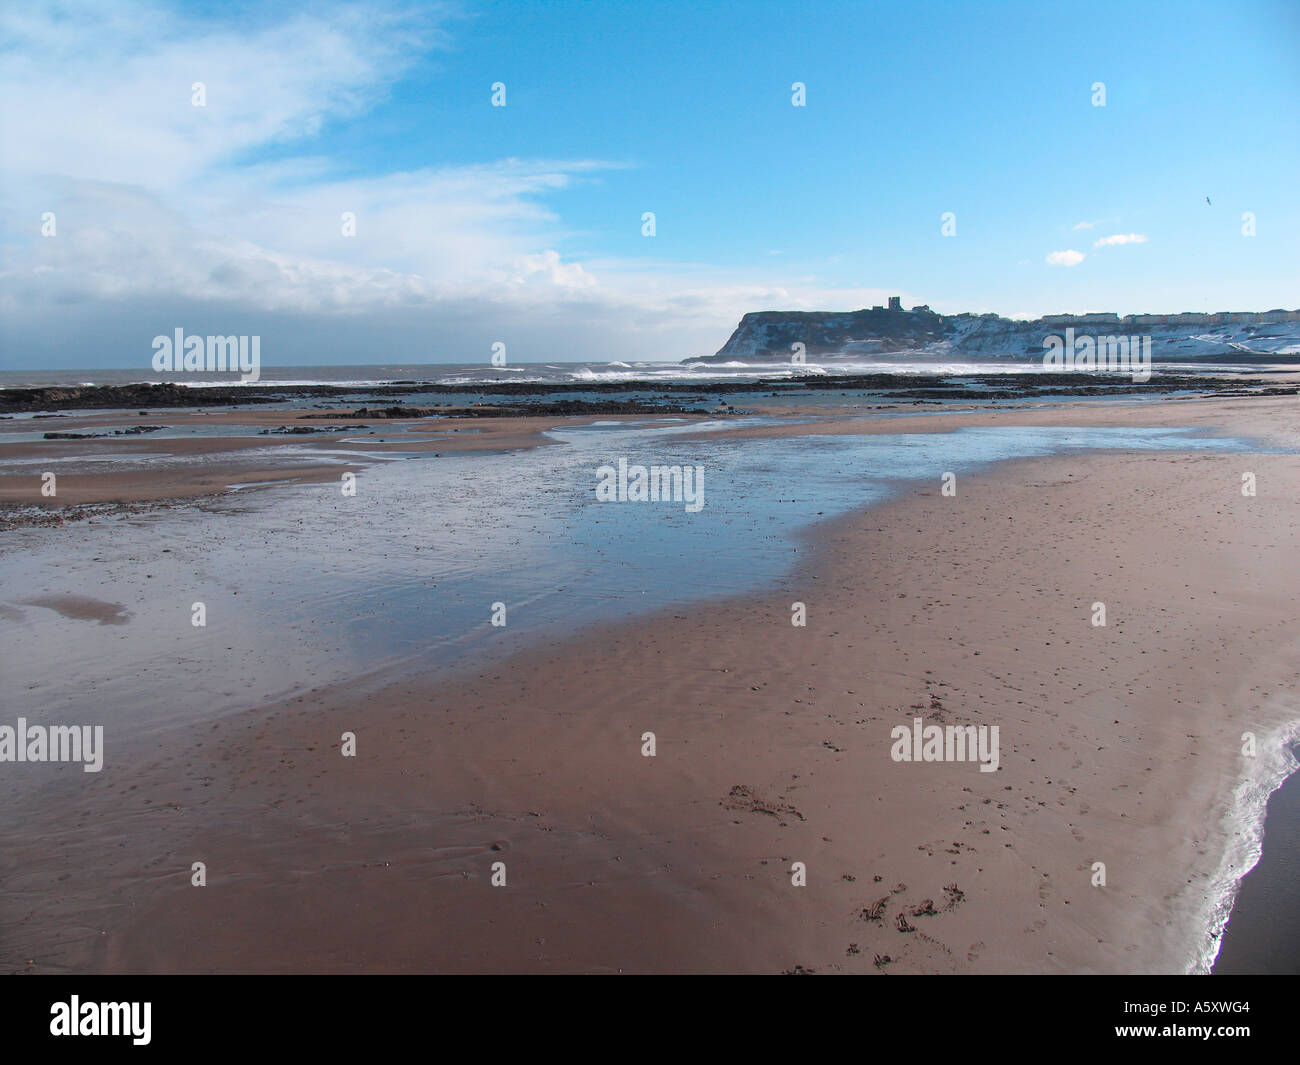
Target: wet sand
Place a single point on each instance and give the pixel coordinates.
(1118, 744)
(209, 465)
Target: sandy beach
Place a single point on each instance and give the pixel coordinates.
(1120, 744)
(187, 467)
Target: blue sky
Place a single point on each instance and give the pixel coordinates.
(523, 223)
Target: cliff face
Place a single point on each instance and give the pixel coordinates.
(770, 335)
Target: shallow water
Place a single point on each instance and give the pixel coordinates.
(303, 586)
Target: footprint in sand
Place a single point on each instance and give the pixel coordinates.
(743, 797)
(974, 950)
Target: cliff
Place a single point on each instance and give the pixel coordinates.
(770, 335)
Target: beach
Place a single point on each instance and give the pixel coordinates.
(501, 812)
(658, 490)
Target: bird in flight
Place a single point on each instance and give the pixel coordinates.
(1207, 200)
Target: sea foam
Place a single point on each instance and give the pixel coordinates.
(1244, 826)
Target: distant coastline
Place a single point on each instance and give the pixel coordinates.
(922, 332)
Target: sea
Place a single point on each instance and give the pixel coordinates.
(565, 373)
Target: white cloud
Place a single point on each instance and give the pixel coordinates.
(159, 206)
(1120, 238)
(102, 90)
(1069, 257)
(1084, 225)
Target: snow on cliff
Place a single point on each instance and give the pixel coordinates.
(922, 333)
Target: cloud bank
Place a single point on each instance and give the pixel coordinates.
(158, 213)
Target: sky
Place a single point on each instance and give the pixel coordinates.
(190, 165)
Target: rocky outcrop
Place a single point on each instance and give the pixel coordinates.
(777, 335)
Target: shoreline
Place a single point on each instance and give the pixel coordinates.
(1246, 834)
(1263, 933)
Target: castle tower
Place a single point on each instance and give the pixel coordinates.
(895, 303)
